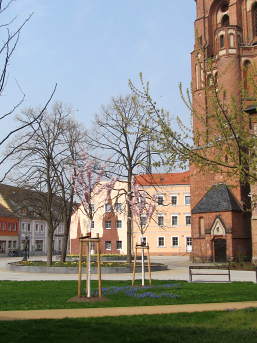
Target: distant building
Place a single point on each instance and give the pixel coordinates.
(9, 224)
(109, 221)
(169, 232)
(17, 204)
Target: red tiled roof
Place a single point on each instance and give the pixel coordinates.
(163, 179)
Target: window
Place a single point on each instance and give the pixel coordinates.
(9, 244)
(118, 224)
(118, 245)
(37, 228)
(174, 220)
(224, 7)
(201, 224)
(14, 227)
(108, 207)
(143, 239)
(23, 211)
(160, 200)
(108, 245)
(14, 245)
(174, 200)
(92, 224)
(38, 245)
(174, 241)
(188, 241)
(187, 200)
(188, 220)
(42, 227)
(197, 77)
(9, 226)
(108, 224)
(28, 226)
(225, 20)
(254, 14)
(221, 41)
(4, 226)
(160, 220)
(161, 242)
(23, 227)
(231, 41)
(118, 207)
(143, 220)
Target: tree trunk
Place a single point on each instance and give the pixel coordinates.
(49, 245)
(129, 224)
(64, 244)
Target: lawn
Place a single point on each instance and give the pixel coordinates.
(205, 327)
(224, 326)
(36, 295)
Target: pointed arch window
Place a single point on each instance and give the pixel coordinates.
(247, 65)
(225, 20)
(254, 14)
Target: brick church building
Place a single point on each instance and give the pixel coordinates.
(222, 228)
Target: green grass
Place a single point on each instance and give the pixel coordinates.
(36, 295)
(205, 327)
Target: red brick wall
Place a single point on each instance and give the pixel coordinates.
(238, 226)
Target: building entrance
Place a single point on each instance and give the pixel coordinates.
(220, 250)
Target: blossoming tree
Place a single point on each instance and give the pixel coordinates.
(142, 208)
(88, 184)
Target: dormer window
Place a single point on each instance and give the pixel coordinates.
(23, 211)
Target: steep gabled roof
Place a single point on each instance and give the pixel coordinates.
(17, 198)
(163, 179)
(218, 199)
(5, 212)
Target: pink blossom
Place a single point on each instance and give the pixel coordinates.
(87, 183)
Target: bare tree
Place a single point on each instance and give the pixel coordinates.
(43, 153)
(7, 49)
(121, 132)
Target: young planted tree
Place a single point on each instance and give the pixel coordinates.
(87, 178)
(122, 132)
(142, 209)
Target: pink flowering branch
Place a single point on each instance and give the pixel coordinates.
(88, 183)
(142, 208)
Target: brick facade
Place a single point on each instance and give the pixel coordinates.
(230, 45)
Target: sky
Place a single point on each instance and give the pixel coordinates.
(91, 48)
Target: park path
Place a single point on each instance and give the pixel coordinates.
(122, 311)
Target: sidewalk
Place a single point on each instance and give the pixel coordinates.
(122, 311)
(178, 271)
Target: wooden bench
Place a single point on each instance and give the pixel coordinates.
(209, 270)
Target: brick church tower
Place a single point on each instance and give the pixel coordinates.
(221, 225)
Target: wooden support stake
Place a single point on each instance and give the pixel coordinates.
(149, 269)
(99, 266)
(88, 252)
(134, 269)
(80, 267)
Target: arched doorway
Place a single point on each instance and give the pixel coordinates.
(220, 250)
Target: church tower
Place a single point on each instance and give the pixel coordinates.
(226, 31)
